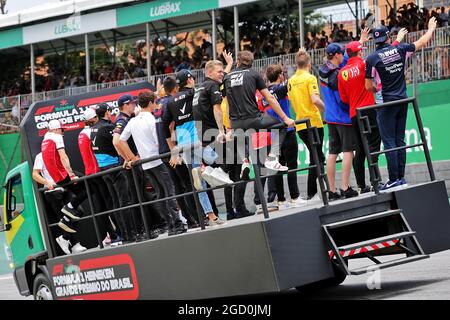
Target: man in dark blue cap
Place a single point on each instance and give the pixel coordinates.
(388, 63)
(337, 115)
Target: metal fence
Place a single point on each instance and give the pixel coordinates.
(433, 63)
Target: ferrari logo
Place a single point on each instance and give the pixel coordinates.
(345, 75)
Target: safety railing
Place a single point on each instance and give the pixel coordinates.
(314, 164)
(365, 130)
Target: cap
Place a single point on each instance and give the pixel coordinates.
(89, 114)
(54, 124)
(380, 34)
(183, 75)
(334, 48)
(101, 109)
(126, 98)
(354, 46)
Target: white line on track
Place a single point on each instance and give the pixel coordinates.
(6, 278)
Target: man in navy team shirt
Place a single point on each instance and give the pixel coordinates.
(389, 63)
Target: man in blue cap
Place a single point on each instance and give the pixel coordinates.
(337, 115)
(388, 62)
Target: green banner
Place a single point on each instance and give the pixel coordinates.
(11, 38)
(160, 9)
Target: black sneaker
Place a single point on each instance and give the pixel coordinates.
(193, 225)
(349, 193)
(67, 224)
(177, 230)
(332, 196)
(231, 215)
(366, 189)
(72, 213)
(243, 214)
(154, 234)
(162, 229)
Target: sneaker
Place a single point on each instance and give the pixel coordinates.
(259, 209)
(283, 205)
(64, 244)
(332, 196)
(314, 199)
(162, 230)
(177, 230)
(67, 224)
(272, 206)
(243, 214)
(245, 170)
(273, 164)
(403, 183)
(197, 178)
(116, 241)
(390, 186)
(194, 225)
(78, 248)
(107, 241)
(216, 222)
(366, 189)
(207, 175)
(220, 177)
(299, 202)
(349, 193)
(231, 215)
(72, 213)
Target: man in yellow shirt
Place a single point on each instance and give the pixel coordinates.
(303, 92)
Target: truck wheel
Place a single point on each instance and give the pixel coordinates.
(338, 278)
(42, 288)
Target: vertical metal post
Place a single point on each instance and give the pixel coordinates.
(33, 80)
(91, 206)
(414, 79)
(301, 24)
(395, 7)
(376, 12)
(357, 17)
(147, 45)
(139, 196)
(424, 140)
(88, 65)
(114, 49)
(236, 31)
(214, 34)
(313, 137)
(288, 18)
(257, 170)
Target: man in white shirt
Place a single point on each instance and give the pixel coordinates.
(143, 130)
(55, 199)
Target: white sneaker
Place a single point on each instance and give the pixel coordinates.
(275, 165)
(283, 205)
(206, 175)
(78, 248)
(107, 241)
(220, 177)
(299, 202)
(314, 199)
(197, 178)
(272, 206)
(259, 209)
(216, 223)
(64, 244)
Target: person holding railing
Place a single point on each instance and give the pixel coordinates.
(179, 111)
(59, 169)
(143, 130)
(303, 92)
(389, 63)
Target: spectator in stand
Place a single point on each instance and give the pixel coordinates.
(443, 17)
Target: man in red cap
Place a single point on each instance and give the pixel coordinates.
(351, 84)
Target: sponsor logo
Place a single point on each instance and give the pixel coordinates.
(72, 24)
(237, 79)
(165, 9)
(183, 109)
(345, 75)
(111, 277)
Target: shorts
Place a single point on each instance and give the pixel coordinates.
(341, 138)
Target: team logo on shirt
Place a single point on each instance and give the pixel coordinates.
(345, 75)
(237, 79)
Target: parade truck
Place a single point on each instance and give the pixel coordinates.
(302, 247)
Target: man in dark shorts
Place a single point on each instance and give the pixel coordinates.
(337, 115)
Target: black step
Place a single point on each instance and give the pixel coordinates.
(377, 240)
(388, 264)
(362, 219)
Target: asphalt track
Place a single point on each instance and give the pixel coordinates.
(427, 279)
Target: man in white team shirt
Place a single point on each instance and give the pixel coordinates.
(143, 130)
(54, 197)
(58, 166)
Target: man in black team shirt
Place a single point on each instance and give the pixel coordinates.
(240, 88)
(179, 173)
(124, 185)
(179, 110)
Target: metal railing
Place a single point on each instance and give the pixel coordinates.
(313, 138)
(365, 129)
(433, 62)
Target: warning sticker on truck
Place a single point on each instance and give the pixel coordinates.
(112, 277)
